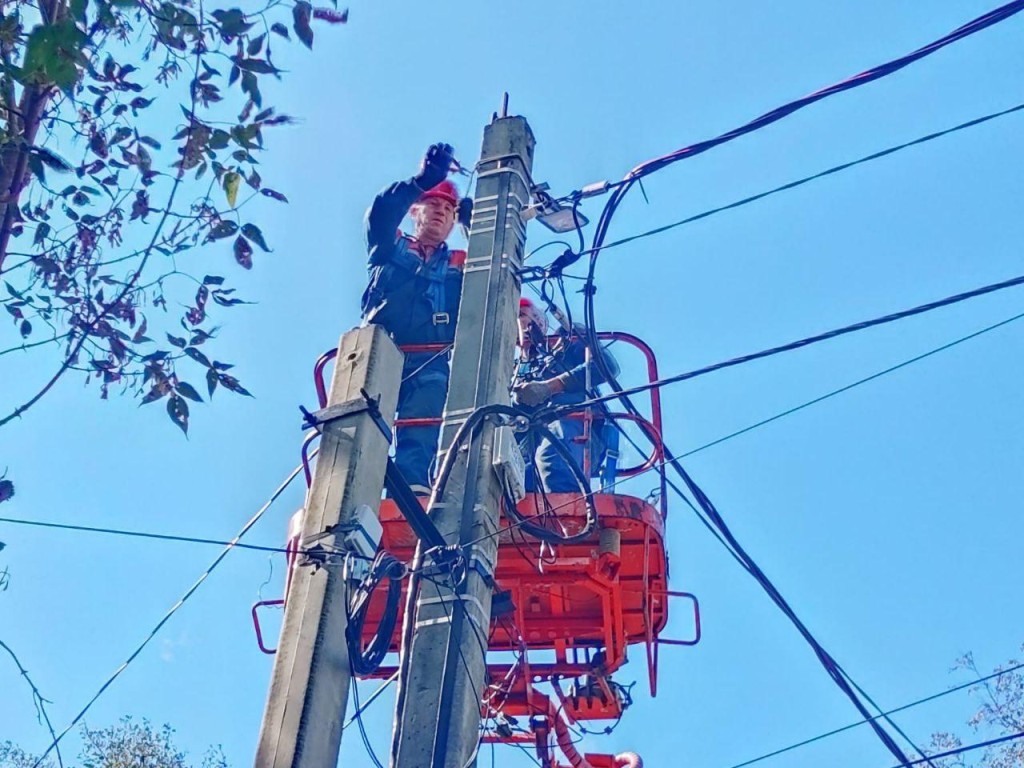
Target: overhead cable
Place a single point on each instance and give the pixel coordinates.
(805, 180)
(139, 534)
(903, 708)
(968, 748)
(852, 385)
(174, 609)
(798, 344)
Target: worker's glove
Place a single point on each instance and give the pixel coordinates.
(465, 213)
(531, 393)
(435, 166)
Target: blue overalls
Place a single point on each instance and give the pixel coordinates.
(417, 301)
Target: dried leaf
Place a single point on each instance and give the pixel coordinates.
(243, 255)
(330, 15)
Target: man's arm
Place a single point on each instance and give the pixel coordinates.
(384, 217)
(391, 205)
(572, 379)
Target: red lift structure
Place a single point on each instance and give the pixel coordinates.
(565, 615)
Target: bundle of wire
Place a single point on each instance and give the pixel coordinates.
(366, 660)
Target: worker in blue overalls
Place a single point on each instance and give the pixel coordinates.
(414, 290)
(555, 371)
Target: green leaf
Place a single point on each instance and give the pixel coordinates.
(51, 159)
(252, 232)
(232, 22)
(211, 380)
(77, 9)
(213, 280)
(158, 391)
(243, 255)
(176, 341)
(53, 53)
(280, 29)
(256, 44)
(25, 329)
(187, 390)
(177, 409)
(301, 14)
(232, 181)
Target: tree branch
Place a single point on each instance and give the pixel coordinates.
(37, 698)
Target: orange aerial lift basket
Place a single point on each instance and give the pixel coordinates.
(564, 616)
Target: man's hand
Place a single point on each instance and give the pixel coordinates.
(465, 212)
(435, 166)
(531, 393)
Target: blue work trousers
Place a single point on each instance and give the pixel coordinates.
(422, 395)
(548, 465)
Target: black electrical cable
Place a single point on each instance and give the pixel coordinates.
(902, 708)
(366, 661)
(805, 180)
(621, 189)
(968, 748)
(139, 534)
(174, 609)
(359, 716)
(537, 530)
(848, 387)
(621, 393)
(708, 512)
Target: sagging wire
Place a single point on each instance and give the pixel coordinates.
(174, 609)
(842, 679)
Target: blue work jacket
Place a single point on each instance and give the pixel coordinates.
(415, 299)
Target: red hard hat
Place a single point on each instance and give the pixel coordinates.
(534, 314)
(446, 190)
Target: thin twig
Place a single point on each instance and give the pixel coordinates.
(37, 698)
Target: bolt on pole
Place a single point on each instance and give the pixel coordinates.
(438, 713)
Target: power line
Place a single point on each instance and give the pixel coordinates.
(870, 75)
(912, 704)
(661, 464)
(174, 608)
(805, 180)
(798, 344)
(850, 386)
(139, 534)
(968, 748)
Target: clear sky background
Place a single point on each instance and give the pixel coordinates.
(889, 516)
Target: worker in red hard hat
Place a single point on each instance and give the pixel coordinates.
(415, 284)
(553, 370)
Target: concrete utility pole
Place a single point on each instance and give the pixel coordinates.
(310, 683)
(438, 711)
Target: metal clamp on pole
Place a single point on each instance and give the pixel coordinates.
(364, 404)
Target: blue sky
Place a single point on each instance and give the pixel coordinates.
(889, 516)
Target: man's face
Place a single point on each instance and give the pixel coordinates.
(528, 327)
(433, 219)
